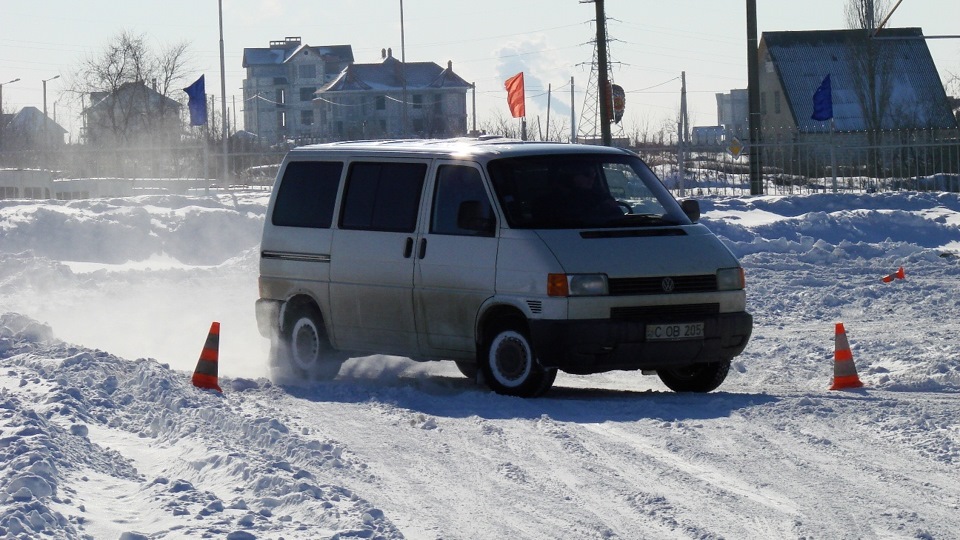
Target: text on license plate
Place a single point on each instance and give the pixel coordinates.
(689, 330)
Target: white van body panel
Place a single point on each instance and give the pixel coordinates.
(698, 251)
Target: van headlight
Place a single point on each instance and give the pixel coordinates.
(577, 285)
(731, 279)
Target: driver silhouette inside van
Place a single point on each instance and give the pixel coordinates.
(582, 196)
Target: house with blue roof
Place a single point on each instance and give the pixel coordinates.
(280, 83)
(393, 99)
(882, 86)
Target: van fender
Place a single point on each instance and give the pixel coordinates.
(496, 307)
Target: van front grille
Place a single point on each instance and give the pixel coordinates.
(665, 313)
(662, 285)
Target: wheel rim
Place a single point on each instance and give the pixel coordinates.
(510, 359)
(305, 344)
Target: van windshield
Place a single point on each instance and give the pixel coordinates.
(582, 191)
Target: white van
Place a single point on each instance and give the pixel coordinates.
(513, 259)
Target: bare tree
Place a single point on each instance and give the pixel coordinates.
(866, 14)
(131, 90)
(870, 65)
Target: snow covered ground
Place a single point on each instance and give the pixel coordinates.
(105, 306)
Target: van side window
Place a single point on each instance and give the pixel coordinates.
(382, 196)
(460, 204)
(307, 194)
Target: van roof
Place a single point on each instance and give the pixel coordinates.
(489, 146)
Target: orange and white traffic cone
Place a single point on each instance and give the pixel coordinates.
(205, 376)
(844, 371)
(896, 275)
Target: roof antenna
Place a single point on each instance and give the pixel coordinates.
(885, 19)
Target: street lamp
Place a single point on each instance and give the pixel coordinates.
(46, 139)
(2, 124)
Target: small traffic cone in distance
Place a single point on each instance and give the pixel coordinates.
(844, 370)
(896, 275)
(205, 375)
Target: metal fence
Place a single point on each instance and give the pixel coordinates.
(915, 160)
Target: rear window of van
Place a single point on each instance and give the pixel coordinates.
(307, 194)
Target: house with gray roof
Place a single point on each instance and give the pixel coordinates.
(133, 113)
(393, 99)
(279, 87)
(29, 129)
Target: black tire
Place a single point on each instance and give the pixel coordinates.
(304, 347)
(467, 368)
(695, 378)
(510, 366)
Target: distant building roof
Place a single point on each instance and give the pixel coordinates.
(280, 52)
(390, 74)
(803, 59)
(136, 90)
(32, 118)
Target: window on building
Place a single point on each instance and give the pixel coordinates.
(776, 102)
(306, 93)
(763, 103)
(281, 96)
(381, 103)
(306, 118)
(438, 104)
(308, 71)
(418, 101)
(282, 119)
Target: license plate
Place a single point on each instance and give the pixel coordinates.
(674, 331)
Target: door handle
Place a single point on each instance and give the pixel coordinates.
(423, 248)
(408, 248)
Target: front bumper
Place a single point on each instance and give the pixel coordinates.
(597, 345)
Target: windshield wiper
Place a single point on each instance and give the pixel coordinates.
(641, 219)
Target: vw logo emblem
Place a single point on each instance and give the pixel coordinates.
(667, 284)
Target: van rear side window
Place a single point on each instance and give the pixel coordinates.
(383, 196)
(307, 194)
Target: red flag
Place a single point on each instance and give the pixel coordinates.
(515, 97)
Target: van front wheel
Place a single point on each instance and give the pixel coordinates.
(510, 366)
(695, 378)
(305, 346)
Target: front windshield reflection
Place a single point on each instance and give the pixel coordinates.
(581, 191)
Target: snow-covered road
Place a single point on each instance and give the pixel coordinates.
(102, 435)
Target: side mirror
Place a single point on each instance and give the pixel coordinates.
(691, 207)
(470, 218)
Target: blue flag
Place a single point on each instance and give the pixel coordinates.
(198, 102)
(823, 101)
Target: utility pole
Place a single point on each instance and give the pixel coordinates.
(603, 78)
(403, 74)
(682, 128)
(753, 85)
(1, 110)
(223, 105)
(573, 120)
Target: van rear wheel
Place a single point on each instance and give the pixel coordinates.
(510, 366)
(305, 348)
(695, 378)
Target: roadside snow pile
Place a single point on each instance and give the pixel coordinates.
(815, 260)
(256, 475)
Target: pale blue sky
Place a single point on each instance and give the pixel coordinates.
(652, 43)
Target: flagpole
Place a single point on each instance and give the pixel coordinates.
(223, 106)
(833, 155)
